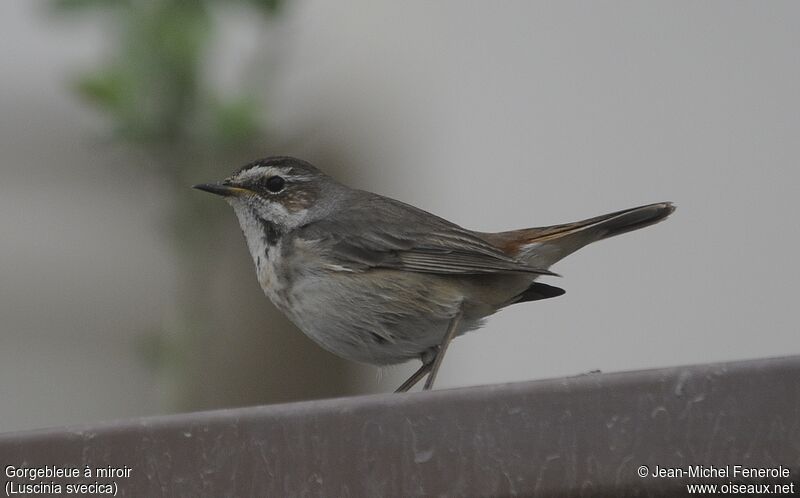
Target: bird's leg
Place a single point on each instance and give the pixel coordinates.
(419, 374)
(426, 358)
(437, 361)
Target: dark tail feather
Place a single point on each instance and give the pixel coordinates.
(544, 246)
(634, 218)
(538, 291)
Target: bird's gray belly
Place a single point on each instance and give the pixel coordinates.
(381, 318)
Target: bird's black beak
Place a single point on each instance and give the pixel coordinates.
(221, 189)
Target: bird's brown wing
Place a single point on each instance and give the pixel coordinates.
(384, 233)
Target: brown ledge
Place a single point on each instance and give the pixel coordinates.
(582, 436)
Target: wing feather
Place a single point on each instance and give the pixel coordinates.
(391, 234)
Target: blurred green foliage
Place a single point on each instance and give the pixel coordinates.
(152, 85)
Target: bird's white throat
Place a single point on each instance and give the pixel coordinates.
(264, 243)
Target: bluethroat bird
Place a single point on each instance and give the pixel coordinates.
(378, 281)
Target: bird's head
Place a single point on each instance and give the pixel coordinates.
(283, 192)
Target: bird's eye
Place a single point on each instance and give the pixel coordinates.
(275, 184)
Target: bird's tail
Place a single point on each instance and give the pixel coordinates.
(544, 246)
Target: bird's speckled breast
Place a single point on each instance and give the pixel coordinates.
(265, 245)
(271, 276)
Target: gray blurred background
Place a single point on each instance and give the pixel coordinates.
(125, 293)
